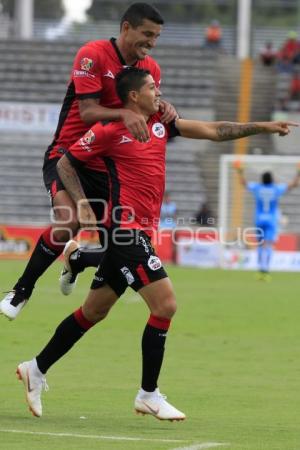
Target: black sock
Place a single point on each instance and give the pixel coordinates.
(86, 257)
(68, 332)
(153, 347)
(42, 257)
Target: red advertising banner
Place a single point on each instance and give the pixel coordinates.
(18, 242)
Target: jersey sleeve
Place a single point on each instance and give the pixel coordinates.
(281, 189)
(86, 73)
(95, 143)
(172, 130)
(251, 186)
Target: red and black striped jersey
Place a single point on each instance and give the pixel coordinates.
(136, 170)
(93, 76)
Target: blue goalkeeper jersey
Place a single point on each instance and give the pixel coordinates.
(266, 197)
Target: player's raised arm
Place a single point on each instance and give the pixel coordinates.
(296, 180)
(226, 131)
(239, 168)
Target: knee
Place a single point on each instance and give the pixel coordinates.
(66, 225)
(167, 307)
(171, 308)
(64, 233)
(94, 314)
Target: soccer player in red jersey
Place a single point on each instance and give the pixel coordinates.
(137, 177)
(91, 96)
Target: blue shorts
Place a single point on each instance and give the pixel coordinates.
(269, 230)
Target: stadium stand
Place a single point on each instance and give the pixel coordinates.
(23, 198)
(179, 34)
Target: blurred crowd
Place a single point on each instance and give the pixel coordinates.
(286, 60)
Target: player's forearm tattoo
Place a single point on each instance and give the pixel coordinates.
(229, 130)
(70, 180)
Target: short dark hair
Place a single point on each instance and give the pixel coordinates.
(137, 12)
(129, 79)
(267, 178)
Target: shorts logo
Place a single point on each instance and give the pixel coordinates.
(86, 64)
(158, 130)
(127, 274)
(98, 278)
(144, 244)
(154, 263)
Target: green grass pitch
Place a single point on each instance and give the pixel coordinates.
(232, 364)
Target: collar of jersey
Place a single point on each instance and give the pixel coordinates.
(119, 54)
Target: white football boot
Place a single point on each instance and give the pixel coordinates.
(155, 404)
(68, 280)
(12, 304)
(34, 382)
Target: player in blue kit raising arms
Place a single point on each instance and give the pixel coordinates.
(266, 214)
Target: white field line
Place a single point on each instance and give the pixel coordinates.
(203, 446)
(89, 436)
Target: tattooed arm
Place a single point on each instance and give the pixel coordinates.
(73, 186)
(226, 131)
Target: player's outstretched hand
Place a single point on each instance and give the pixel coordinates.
(281, 127)
(136, 124)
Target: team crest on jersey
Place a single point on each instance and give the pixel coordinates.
(89, 137)
(158, 130)
(154, 263)
(86, 64)
(87, 140)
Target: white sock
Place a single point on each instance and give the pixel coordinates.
(146, 393)
(34, 368)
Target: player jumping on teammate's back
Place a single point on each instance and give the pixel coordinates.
(266, 214)
(91, 97)
(137, 178)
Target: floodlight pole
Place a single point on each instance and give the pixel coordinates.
(244, 29)
(24, 18)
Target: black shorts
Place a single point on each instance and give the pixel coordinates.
(95, 184)
(129, 260)
(51, 178)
